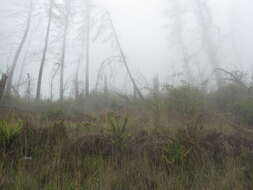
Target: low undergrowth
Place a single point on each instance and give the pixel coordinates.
(194, 157)
(183, 139)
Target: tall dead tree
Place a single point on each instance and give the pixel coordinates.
(2, 85)
(23, 64)
(115, 34)
(76, 80)
(66, 22)
(28, 89)
(156, 85)
(204, 18)
(87, 48)
(178, 33)
(106, 91)
(43, 60)
(26, 54)
(233, 21)
(19, 49)
(54, 73)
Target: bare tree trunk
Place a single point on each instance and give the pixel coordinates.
(2, 85)
(51, 90)
(28, 90)
(124, 59)
(23, 65)
(156, 108)
(54, 73)
(76, 80)
(20, 47)
(65, 34)
(62, 66)
(156, 86)
(204, 18)
(179, 37)
(234, 24)
(38, 93)
(135, 96)
(87, 67)
(105, 86)
(106, 91)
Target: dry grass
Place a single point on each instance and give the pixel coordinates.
(193, 157)
(143, 146)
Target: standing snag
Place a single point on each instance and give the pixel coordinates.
(123, 57)
(45, 49)
(20, 48)
(2, 85)
(66, 21)
(204, 19)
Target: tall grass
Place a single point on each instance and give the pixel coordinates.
(126, 150)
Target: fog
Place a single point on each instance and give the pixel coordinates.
(126, 94)
(177, 40)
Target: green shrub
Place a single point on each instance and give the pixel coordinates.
(118, 129)
(186, 101)
(54, 114)
(8, 133)
(243, 110)
(226, 96)
(176, 153)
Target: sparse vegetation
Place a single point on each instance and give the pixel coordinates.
(91, 98)
(108, 152)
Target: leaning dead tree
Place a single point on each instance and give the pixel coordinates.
(122, 55)
(19, 49)
(26, 56)
(43, 60)
(106, 18)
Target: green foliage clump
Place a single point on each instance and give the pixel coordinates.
(186, 101)
(8, 133)
(118, 129)
(225, 97)
(176, 153)
(54, 114)
(243, 110)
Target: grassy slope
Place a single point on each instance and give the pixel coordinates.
(178, 141)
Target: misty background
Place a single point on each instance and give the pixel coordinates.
(155, 35)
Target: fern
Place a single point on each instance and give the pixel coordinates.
(118, 129)
(8, 133)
